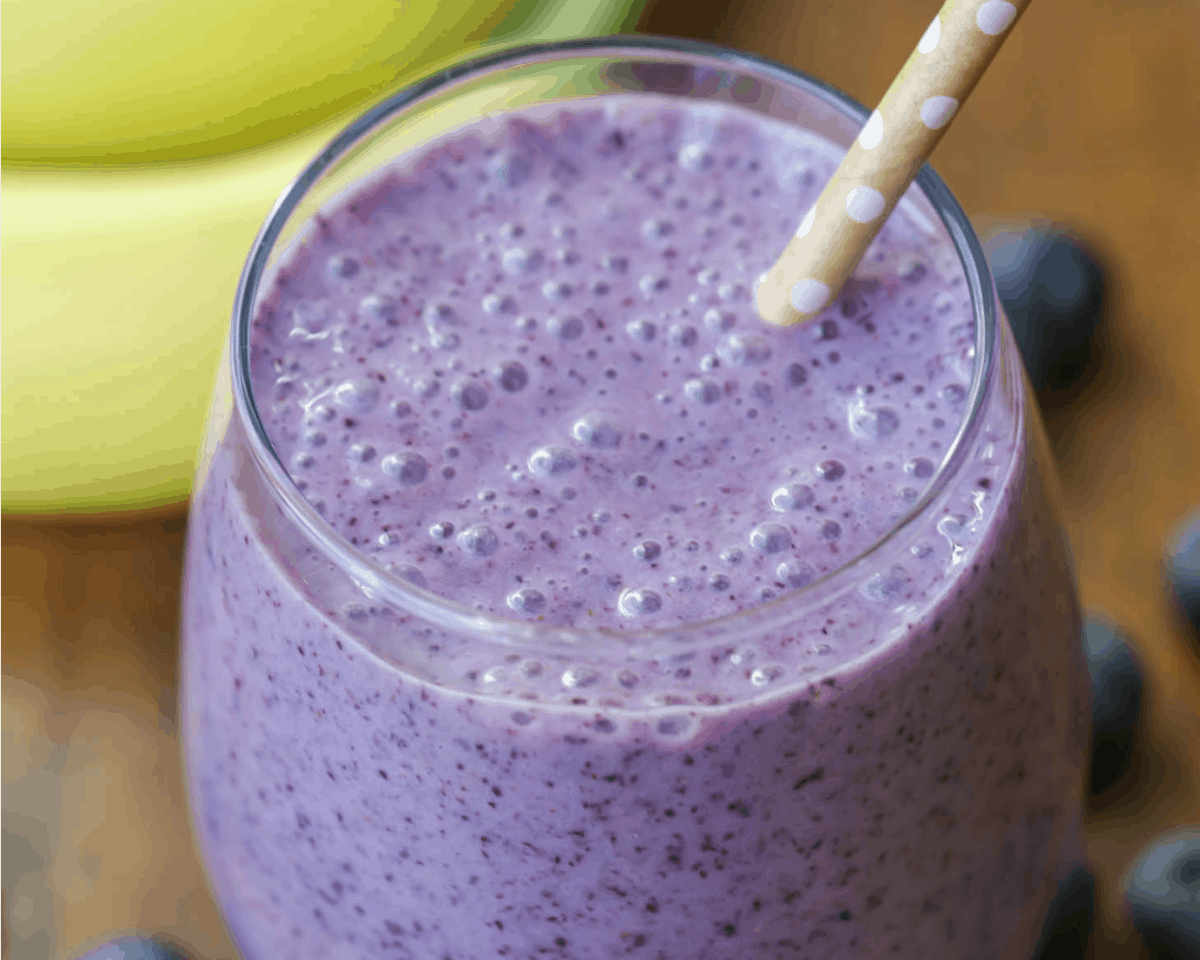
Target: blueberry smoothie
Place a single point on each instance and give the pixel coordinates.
(602, 620)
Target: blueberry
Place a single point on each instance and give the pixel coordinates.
(1067, 928)
(1183, 569)
(1116, 714)
(1052, 288)
(135, 948)
(1163, 890)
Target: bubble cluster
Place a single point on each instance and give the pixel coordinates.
(575, 387)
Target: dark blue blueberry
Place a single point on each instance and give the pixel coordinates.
(136, 948)
(1183, 569)
(1116, 714)
(1067, 929)
(1163, 890)
(1052, 289)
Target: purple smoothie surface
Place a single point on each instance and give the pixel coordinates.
(526, 372)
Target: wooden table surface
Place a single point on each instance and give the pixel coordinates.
(1086, 117)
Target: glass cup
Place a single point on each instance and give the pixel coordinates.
(376, 771)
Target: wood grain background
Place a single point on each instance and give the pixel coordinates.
(1086, 117)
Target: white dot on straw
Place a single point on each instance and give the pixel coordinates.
(937, 111)
(807, 222)
(864, 204)
(995, 16)
(930, 40)
(872, 133)
(809, 296)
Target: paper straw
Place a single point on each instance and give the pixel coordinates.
(885, 157)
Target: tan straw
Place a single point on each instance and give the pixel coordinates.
(884, 159)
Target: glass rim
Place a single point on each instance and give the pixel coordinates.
(372, 578)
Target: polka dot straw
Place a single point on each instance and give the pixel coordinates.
(881, 163)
